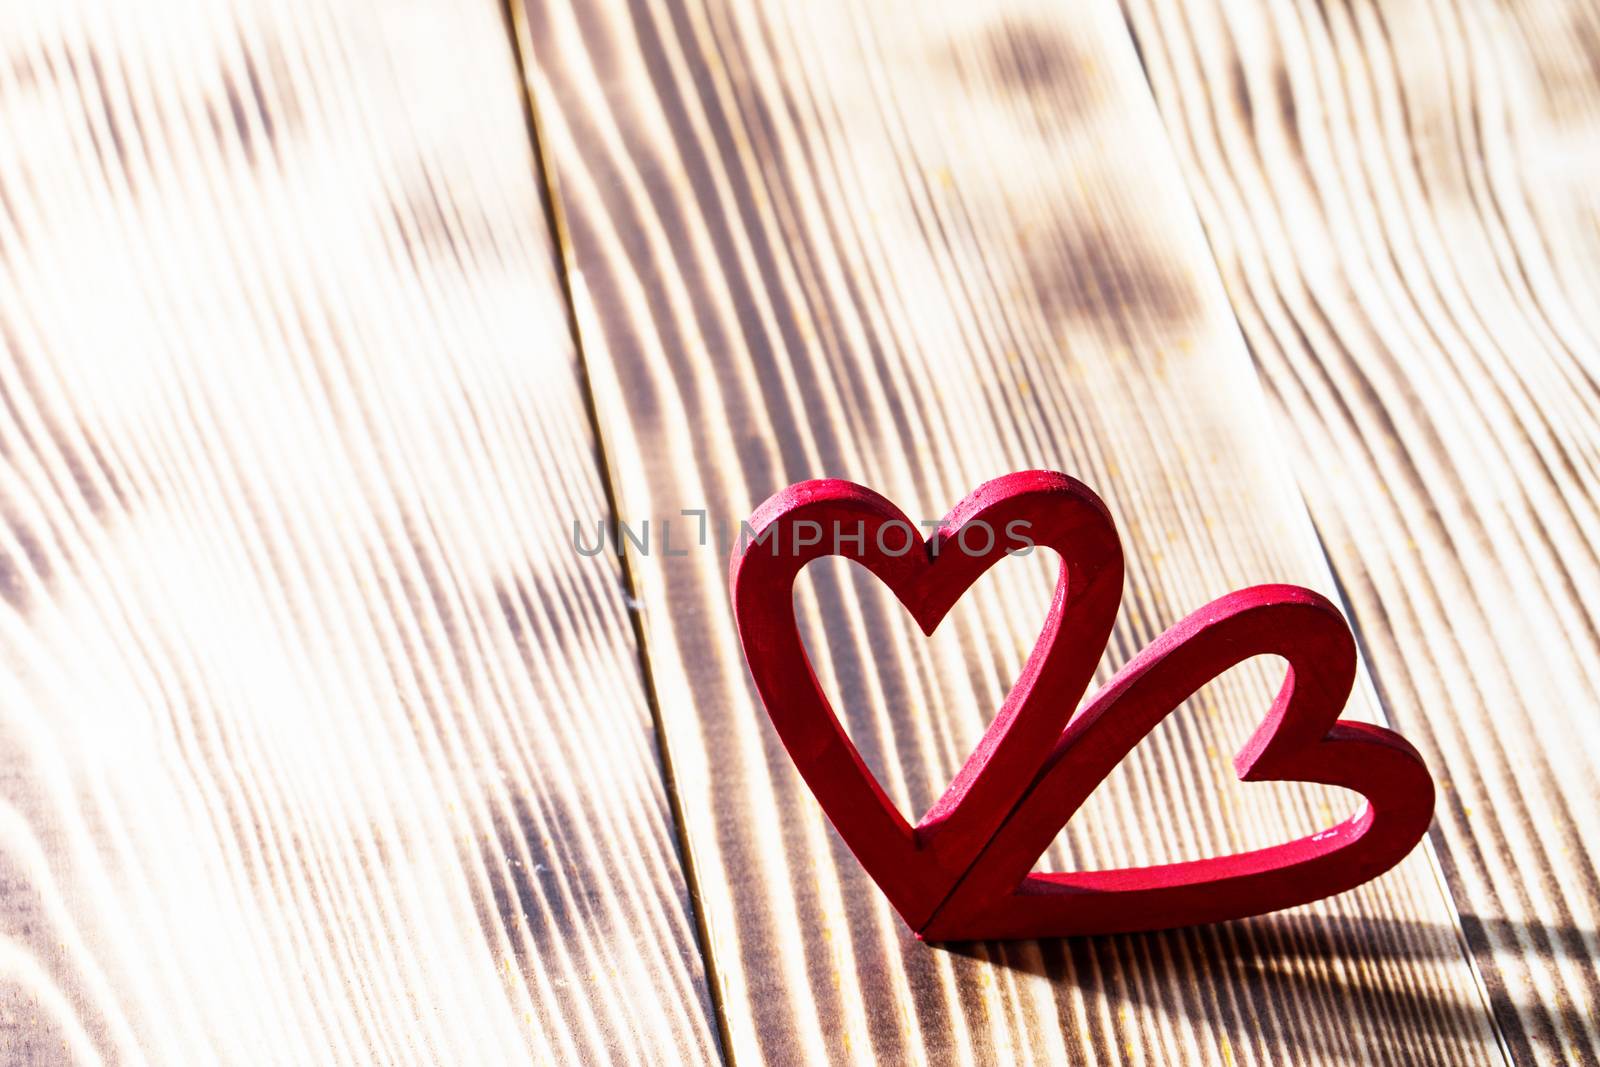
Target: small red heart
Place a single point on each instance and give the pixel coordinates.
(917, 867)
(1302, 739)
(963, 872)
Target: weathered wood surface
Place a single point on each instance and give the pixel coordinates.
(1402, 198)
(321, 743)
(318, 743)
(918, 245)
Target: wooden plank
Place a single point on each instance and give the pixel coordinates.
(918, 245)
(1412, 241)
(320, 743)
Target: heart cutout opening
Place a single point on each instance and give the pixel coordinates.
(915, 704)
(1185, 765)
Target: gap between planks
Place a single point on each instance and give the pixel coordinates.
(521, 43)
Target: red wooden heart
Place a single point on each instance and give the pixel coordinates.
(917, 867)
(1301, 739)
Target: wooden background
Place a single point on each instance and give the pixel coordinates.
(323, 325)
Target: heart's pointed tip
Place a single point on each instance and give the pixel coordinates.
(937, 938)
(945, 930)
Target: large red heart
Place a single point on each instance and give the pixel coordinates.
(963, 871)
(1302, 739)
(917, 867)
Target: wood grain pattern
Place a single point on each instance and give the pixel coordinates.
(1410, 233)
(318, 743)
(919, 245)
